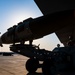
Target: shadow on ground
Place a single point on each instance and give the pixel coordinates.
(34, 74)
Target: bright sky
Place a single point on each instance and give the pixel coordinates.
(15, 11)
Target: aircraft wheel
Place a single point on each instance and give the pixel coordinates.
(32, 65)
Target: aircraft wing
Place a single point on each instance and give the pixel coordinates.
(64, 34)
(51, 6)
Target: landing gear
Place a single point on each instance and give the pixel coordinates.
(32, 65)
(30, 42)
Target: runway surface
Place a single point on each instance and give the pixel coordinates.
(14, 65)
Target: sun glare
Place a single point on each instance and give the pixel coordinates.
(19, 16)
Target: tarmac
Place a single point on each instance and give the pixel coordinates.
(14, 65)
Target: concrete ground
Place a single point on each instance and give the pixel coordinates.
(14, 65)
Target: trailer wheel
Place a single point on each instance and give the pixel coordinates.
(32, 65)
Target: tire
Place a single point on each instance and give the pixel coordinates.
(32, 65)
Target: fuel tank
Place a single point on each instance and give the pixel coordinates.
(36, 28)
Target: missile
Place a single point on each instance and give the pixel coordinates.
(31, 29)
